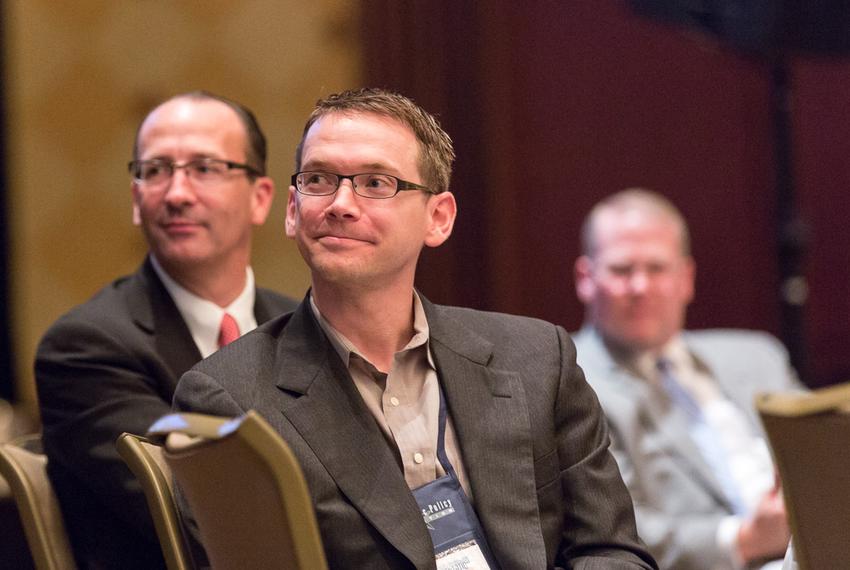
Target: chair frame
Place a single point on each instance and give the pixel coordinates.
(832, 405)
(38, 513)
(252, 431)
(160, 498)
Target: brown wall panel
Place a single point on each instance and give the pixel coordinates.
(79, 78)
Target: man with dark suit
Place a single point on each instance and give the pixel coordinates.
(680, 403)
(392, 403)
(111, 365)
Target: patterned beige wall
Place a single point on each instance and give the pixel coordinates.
(82, 74)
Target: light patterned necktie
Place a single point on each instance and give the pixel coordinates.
(701, 432)
(229, 330)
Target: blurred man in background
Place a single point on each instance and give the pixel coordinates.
(679, 403)
(111, 365)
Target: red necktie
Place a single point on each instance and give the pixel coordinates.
(229, 330)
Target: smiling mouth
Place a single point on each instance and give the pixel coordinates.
(180, 226)
(334, 240)
(339, 237)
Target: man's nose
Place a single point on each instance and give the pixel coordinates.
(638, 281)
(345, 202)
(180, 189)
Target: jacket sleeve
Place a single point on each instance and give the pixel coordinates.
(92, 387)
(599, 520)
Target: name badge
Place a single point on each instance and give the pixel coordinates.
(459, 542)
(455, 531)
(464, 556)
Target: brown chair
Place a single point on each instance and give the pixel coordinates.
(144, 458)
(809, 435)
(246, 490)
(23, 465)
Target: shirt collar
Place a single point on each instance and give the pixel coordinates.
(345, 348)
(203, 317)
(645, 364)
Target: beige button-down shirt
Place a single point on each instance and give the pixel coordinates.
(405, 401)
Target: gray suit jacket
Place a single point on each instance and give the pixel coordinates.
(531, 432)
(678, 501)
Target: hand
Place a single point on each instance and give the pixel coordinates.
(765, 535)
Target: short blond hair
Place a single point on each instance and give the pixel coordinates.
(255, 140)
(436, 153)
(641, 199)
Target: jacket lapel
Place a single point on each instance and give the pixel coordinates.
(355, 453)
(489, 412)
(268, 305)
(735, 381)
(671, 425)
(154, 311)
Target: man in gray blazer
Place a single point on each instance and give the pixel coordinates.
(369, 382)
(111, 364)
(679, 403)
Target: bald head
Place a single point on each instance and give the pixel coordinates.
(255, 140)
(632, 203)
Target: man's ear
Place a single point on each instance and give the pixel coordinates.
(585, 286)
(137, 197)
(261, 199)
(291, 213)
(689, 279)
(442, 211)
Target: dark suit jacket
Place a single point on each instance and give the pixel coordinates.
(111, 365)
(532, 436)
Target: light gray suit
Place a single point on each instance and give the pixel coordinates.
(532, 436)
(678, 501)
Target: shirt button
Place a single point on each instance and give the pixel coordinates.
(394, 401)
(417, 458)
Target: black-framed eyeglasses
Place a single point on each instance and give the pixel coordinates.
(203, 171)
(369, 185)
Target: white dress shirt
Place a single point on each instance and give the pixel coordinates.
(203, 317)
